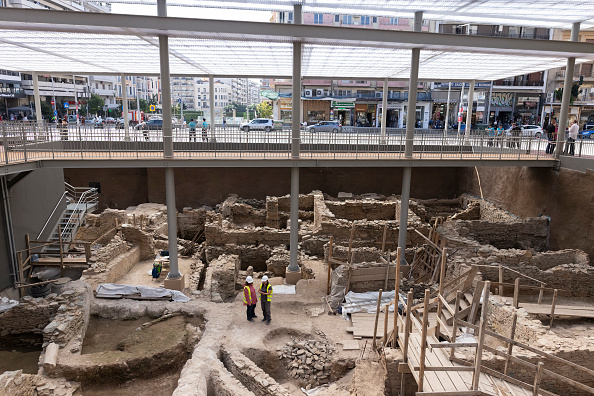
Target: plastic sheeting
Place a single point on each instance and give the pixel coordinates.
(367, 302)
(6, 304)
(144, 291)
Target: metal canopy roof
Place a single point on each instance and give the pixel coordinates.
(541, 13)
(68, 42)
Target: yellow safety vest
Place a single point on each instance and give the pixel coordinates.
(249, 294)
(268, 290)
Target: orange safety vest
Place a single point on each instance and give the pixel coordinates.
(268, 290)
(249, 294)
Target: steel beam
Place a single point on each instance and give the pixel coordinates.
(171, 223)
(567, 87)
(447, 114)
(38, 114)
(384, 111)
(403, 221)
(469, 111)
(142, 25)
(125, 107)
(211, 102)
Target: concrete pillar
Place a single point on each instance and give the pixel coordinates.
(567, 85)
(174, 279)
(384, 111)
(447, 114)
(211, 101)
(458, 119)
(125, 108)
(469, 111)
(293, 271)
(410, 133)
(38, 115)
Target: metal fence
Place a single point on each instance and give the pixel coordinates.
(25, 141)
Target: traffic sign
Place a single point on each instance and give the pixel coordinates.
(179, 101)
(66, 105)
(55, 113)
(53, 103)
(152, 108)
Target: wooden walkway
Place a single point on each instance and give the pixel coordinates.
(572, 311)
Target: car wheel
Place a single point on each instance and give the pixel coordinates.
(335, 130)
(268, 129)
(537, 135)
(246, 129)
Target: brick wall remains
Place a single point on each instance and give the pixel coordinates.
(249, 255)
(363, 210)
(221, 277)
(138, 237)
(250, 375)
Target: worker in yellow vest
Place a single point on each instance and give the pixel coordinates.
(250, 298)
(265, 299)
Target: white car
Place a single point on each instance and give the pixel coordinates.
(528, 131)
(258, 124)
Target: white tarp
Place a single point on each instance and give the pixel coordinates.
(145, 291)
(283, 289)
(6, 304)
(366, 302)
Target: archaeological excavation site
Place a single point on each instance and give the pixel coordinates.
(445, 293)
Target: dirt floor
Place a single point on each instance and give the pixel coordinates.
(105, 334)
(25, 359)
(140, 274)
(163, 385)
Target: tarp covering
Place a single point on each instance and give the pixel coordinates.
(144, 291)
(367, 302)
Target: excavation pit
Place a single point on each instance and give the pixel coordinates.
(24, 358)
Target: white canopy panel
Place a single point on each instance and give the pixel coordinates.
(67, 52)
(542, 13)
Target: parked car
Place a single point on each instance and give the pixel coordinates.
(258, 124)
(99, 122)
(325, 126)
(151, 125)
(110, 120)
(278, 125)
(72, 119)
(528, 131)
(589, 134)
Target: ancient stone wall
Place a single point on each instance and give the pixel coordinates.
(191, 221)
(272, 214)
(138, 237)
(97, 225)
(112, 271)
(306, 202)
(221, 277)
(250, 375)
(249, 255)
(278, 261)
(221, 236)
(363, 210)
(222, 383)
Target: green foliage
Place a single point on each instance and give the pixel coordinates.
(239, 108)
(95, 104)
(575, 91)
(47, 111)
(264, 110)
(144, 105)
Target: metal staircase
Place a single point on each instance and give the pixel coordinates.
(80, 201)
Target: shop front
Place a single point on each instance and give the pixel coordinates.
(365, 114)
(316, 111)
(342, 111)
(393, 115)
(586, 117)
(422, 115)
(526, 111)
(502, 107)
(286, 110)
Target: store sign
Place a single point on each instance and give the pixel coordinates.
(502, 99)
(343, 105)
(285, 104)
(459, 85)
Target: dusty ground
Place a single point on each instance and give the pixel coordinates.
(164, 384)
(19, 359)
(140, 273)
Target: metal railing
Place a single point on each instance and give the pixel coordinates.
(84, 198)
(22, 142)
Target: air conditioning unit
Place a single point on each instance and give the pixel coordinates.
(379, 95)
(319, 92)
(308, 93)
(550, 96)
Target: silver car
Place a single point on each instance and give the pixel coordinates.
(325, 126)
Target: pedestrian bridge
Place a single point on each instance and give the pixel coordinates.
(25, 146)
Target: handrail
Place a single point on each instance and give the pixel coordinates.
(91, 192)
(50, 216)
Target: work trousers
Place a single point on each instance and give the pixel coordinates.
(265, 308)
(251, 311)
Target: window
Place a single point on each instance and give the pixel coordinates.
(393, 21)
(290, 20)
(374, 19)
(318, 18)
(364, 20)
(347, 20)
(337, 18)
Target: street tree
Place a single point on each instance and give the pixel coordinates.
(96, 104)
(264, 110)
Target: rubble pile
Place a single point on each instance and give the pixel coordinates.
(308, 360)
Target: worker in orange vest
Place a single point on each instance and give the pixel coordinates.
(250, 298)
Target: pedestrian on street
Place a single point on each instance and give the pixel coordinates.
(491, 135)
(551, 128)
(250, 299)
(571, 137)
(516, 131)
(205, 128)
(192, 126)
(500, 133)
(266, 299)
(224, 122)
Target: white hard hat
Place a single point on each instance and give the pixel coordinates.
(249, 279)
(264, 278)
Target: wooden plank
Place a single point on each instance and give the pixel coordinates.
(349, 257)
(579, 312)
(377, 311)
(397, 272)
(461, 378)
(513, 381)
(61, 252)
(65, 260)
(476, 298)
(553, 307)
(510, 346)
(479, 350)
(424, 339)
(379, 271)
(437, 380)
(329, 266)
(516, 292)
(538, 378)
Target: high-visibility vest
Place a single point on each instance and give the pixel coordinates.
(268, 290)
(249, 295)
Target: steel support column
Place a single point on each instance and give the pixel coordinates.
(460, 109)
(567, 85)
(447, 116)
(469, 110)
(168, 147)
(211, 103)
(38, 114)
(125, 108)
(295, 143)
(384, 111)
(410, 134)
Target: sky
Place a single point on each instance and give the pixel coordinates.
(194, 12)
